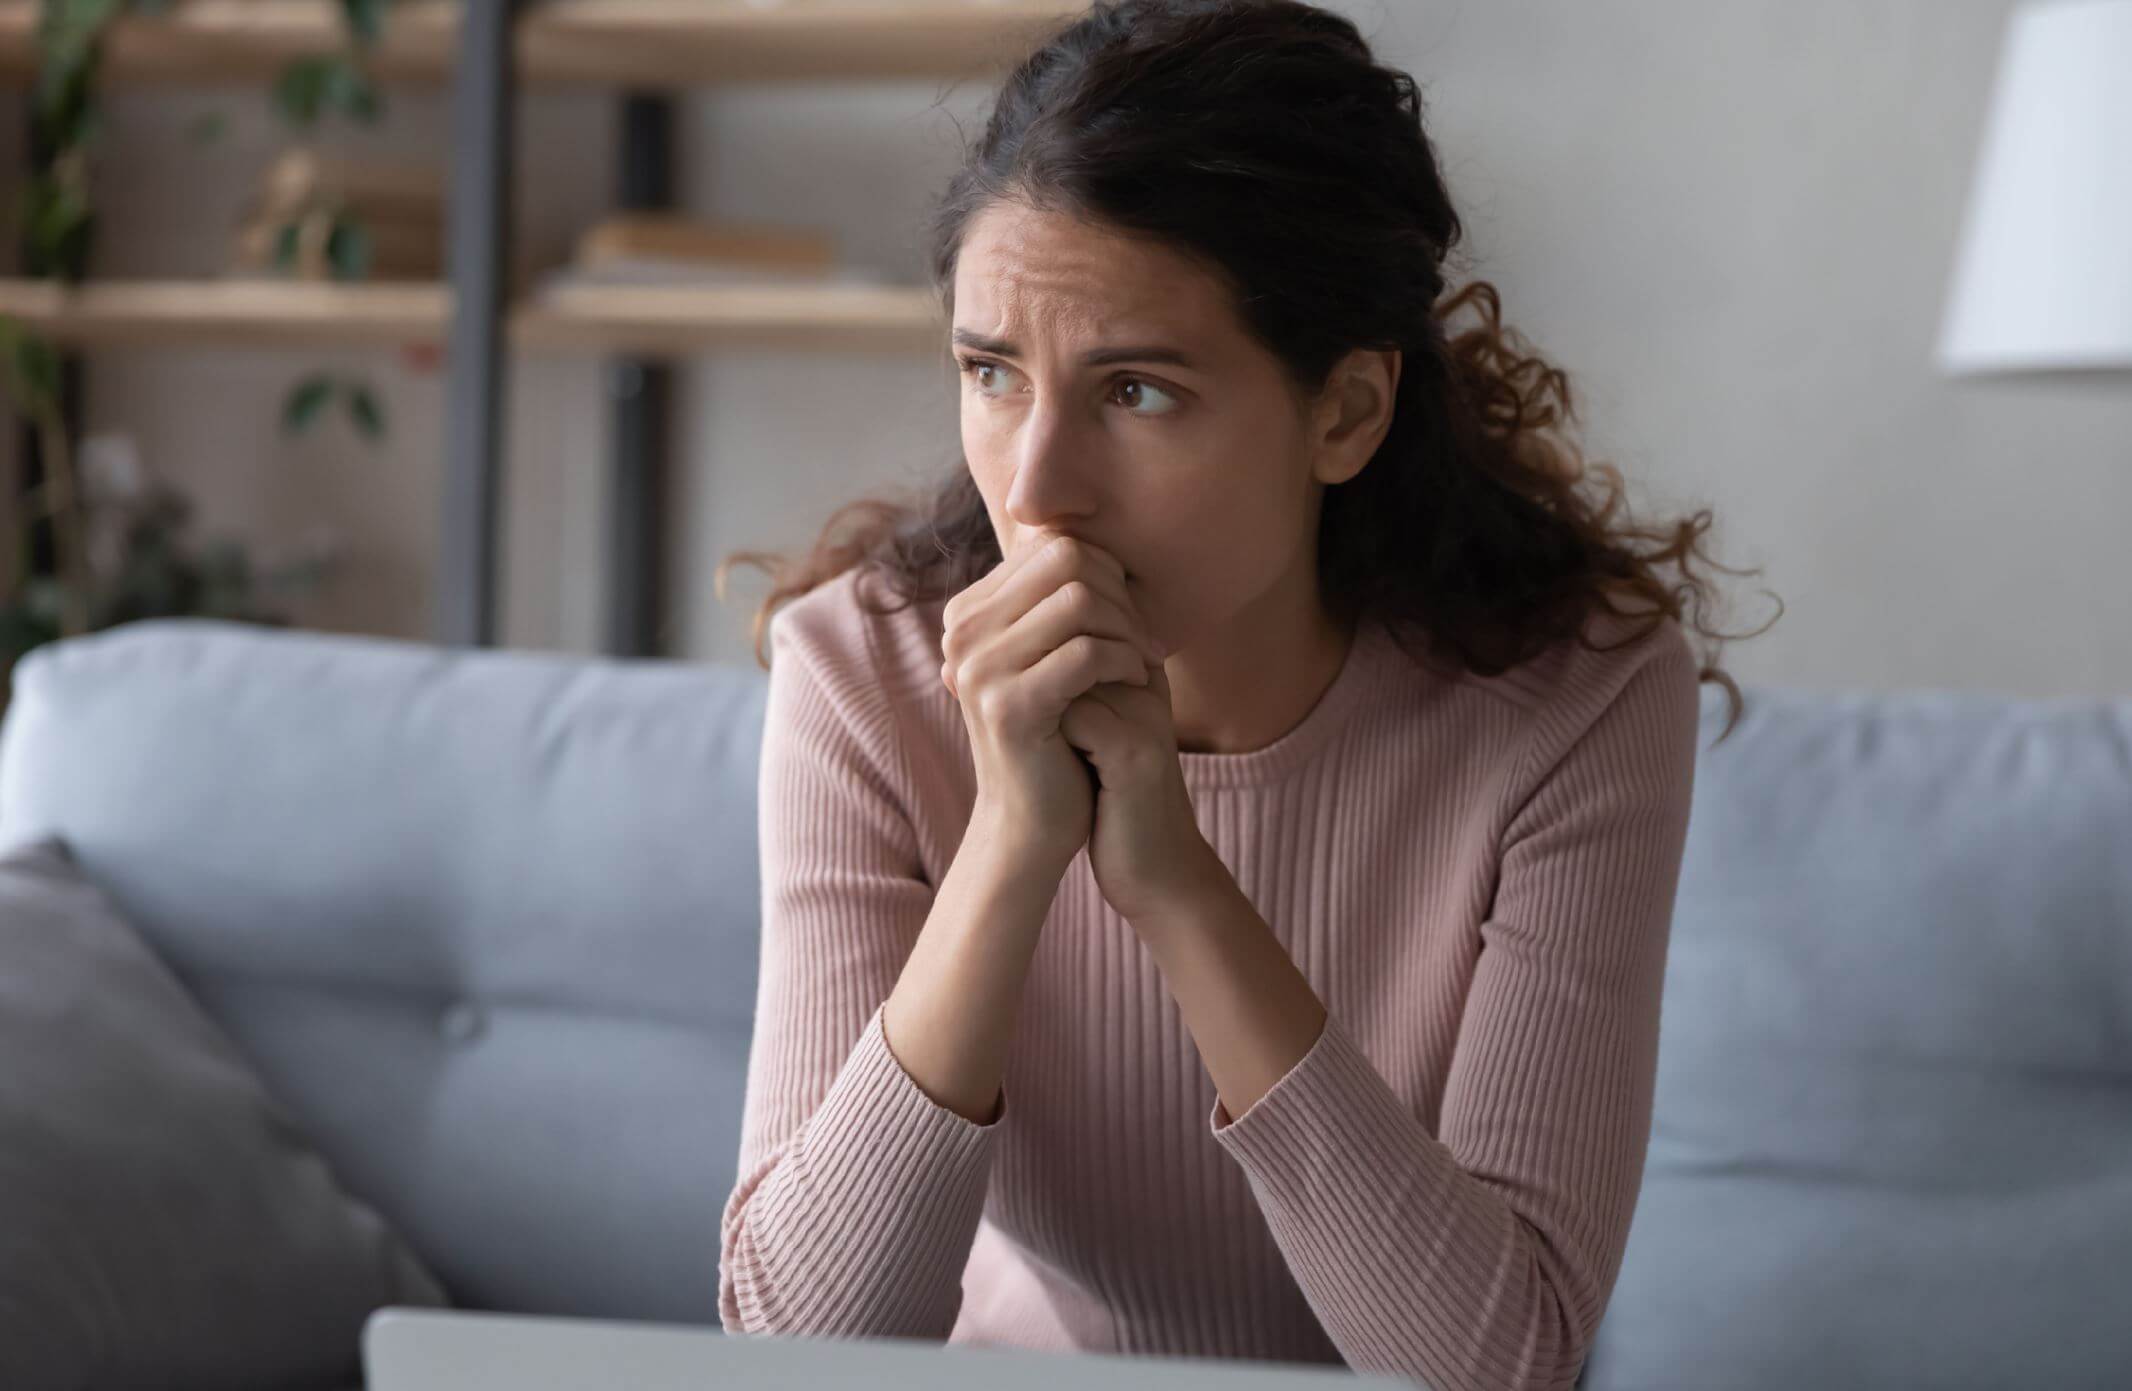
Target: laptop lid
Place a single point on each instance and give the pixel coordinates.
(466, 1350)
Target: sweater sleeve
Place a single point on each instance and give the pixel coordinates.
(857, 1196)
(1484, 1255)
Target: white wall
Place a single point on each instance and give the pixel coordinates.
(1733, 224)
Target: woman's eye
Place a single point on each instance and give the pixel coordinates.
(1144, 388)
(974, 368)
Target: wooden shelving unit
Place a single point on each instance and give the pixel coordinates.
(486, 50)
(639, 43)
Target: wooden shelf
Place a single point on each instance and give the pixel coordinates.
(225, 312)
(656, 321)
(664, 321)
(657, 43)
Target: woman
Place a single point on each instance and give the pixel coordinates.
(1218, 855)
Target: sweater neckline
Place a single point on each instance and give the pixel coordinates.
(1295, 748)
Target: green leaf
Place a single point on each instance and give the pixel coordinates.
(364, 410)
(43, 599)
(56, 219)
(22, 631)
(14, 342)
(207, 127)
(348, 248)
(285, 241)
(350, 89)
(75, 21)
(225, 572)
(304, 402)
(366, 19)
(300, 90)
(31, 366)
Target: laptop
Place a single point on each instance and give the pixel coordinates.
(412, 1349)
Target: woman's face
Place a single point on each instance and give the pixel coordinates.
(1179, 448)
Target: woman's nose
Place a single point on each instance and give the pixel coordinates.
(1051, 478)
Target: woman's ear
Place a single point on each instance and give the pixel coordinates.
(1354, 413)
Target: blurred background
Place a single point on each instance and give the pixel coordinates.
(1736, 226)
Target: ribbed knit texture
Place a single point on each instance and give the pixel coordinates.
(1477, 877)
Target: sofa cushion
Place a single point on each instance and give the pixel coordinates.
(484, 921)
(162, 1221)
(1891, 1143)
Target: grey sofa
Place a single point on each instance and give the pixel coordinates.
(486, 922)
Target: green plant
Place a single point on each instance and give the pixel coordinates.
(158, 570)
(307, 89)
(30, 375)
(308, 398)
(161, 571)
(57, 216)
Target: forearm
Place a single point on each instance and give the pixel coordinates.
(952, 1013)
(1379, 1224)
(1415, 1265)
(1412, 1261)
(1251, 1013)
(862, 1226)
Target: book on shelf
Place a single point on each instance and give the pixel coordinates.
(658, 248)
(636, 236)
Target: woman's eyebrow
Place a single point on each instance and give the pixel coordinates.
(1097, 357)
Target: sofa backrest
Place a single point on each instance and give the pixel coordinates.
(1892, 1135)
(487, 922)
(484, 920)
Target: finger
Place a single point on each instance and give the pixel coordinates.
(1101, 567)
(1041, 569)
(1091, 724)
(1060, 565)
(1010, 563)
(1075, 608)
(1137, 703)
(1059, 619)
(1067, 671)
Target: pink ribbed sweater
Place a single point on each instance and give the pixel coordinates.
(1476, 876)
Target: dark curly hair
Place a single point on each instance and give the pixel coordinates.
(1263, 139)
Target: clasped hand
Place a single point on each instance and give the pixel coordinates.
(1144, 846)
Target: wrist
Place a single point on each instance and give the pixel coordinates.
(1012, 841)
(1200, 886)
